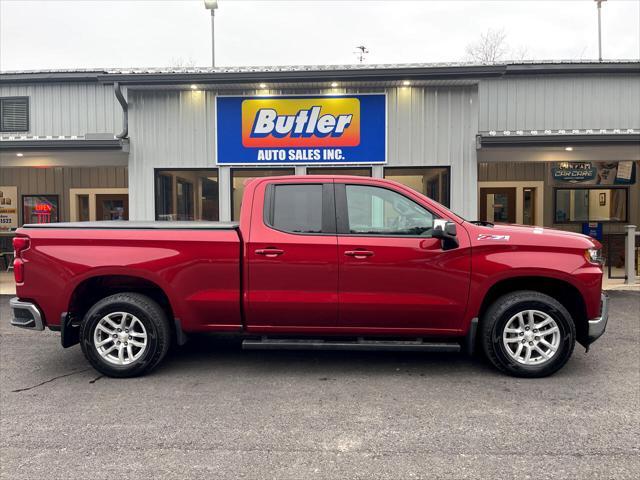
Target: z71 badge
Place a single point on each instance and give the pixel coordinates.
(500, 238)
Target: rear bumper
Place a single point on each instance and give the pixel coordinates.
(25, 315)
(598, 325)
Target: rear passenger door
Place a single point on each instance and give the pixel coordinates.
(292, 281)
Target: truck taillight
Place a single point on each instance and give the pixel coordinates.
(18, 270)
(20, 244)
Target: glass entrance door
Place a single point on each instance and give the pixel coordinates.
(498, 205)
(112, 207)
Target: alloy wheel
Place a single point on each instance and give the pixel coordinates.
(531, 337)
(120, 338)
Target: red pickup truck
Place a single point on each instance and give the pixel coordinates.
(316, 262)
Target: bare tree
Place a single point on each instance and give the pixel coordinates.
(490, 48)
(519, 54)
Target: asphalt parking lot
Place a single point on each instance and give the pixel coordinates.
(214, 411)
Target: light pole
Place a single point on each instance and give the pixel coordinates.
(599, 2)
(212, 5)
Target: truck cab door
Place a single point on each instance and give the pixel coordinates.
(291, 280)
(395, 276)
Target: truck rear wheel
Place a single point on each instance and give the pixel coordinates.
(528, 334)
(125, 335)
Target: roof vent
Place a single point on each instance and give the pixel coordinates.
(14, 114)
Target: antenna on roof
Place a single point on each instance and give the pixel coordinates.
(361, 52)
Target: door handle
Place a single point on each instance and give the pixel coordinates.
(359, 253)
(269, 252)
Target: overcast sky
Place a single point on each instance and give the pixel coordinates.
(85, 34)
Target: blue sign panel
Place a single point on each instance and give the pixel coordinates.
(593, 229)
(282, 130)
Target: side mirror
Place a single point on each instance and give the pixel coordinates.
(447, 232)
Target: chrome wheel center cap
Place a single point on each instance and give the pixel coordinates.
(528, 336)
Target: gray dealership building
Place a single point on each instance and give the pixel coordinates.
(553, 144)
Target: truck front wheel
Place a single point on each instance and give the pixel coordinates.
(125, 335)
(528, 334)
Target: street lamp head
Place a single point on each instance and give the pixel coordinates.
(210, 4)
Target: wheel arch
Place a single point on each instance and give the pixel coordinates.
(561, 290)
(93, 289)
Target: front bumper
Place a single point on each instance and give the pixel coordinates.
(598, 325)
(25, 315)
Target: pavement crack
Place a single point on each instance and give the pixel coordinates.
(96, 379)
(49, 381)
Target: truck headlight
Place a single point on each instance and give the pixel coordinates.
(593, 255)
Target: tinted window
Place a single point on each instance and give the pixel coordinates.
(240, 177)
(187, 194)
(430, 181)
(591, 205)
(297, 208)
(378, 211)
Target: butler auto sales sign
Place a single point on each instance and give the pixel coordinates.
(295, 129)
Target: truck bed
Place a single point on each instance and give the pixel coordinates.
(129, 225)
(197, 264)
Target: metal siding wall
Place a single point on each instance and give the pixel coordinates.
(69, 108)
(556, 102)
(508, 172)
(426, 127)
(437, 127)
(58, 181)
(168, 129)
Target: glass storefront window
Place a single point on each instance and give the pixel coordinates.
(240, 177)
(360, 172)
(590, 205)
(187, 194)
(430, 181)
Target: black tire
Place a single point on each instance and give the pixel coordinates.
(502, 310)
(148, 312)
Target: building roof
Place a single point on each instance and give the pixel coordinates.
(309, 73)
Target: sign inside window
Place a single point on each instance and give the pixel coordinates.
(8, 208)
(40, 208)
(595, 173)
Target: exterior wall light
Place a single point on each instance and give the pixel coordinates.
(263, 85)
(334, 84)
(569, 149)
(19, 154)
(406, 83)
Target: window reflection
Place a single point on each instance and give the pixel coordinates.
(591, 205)
(187, 195)
(430, 181)
(240, 177)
